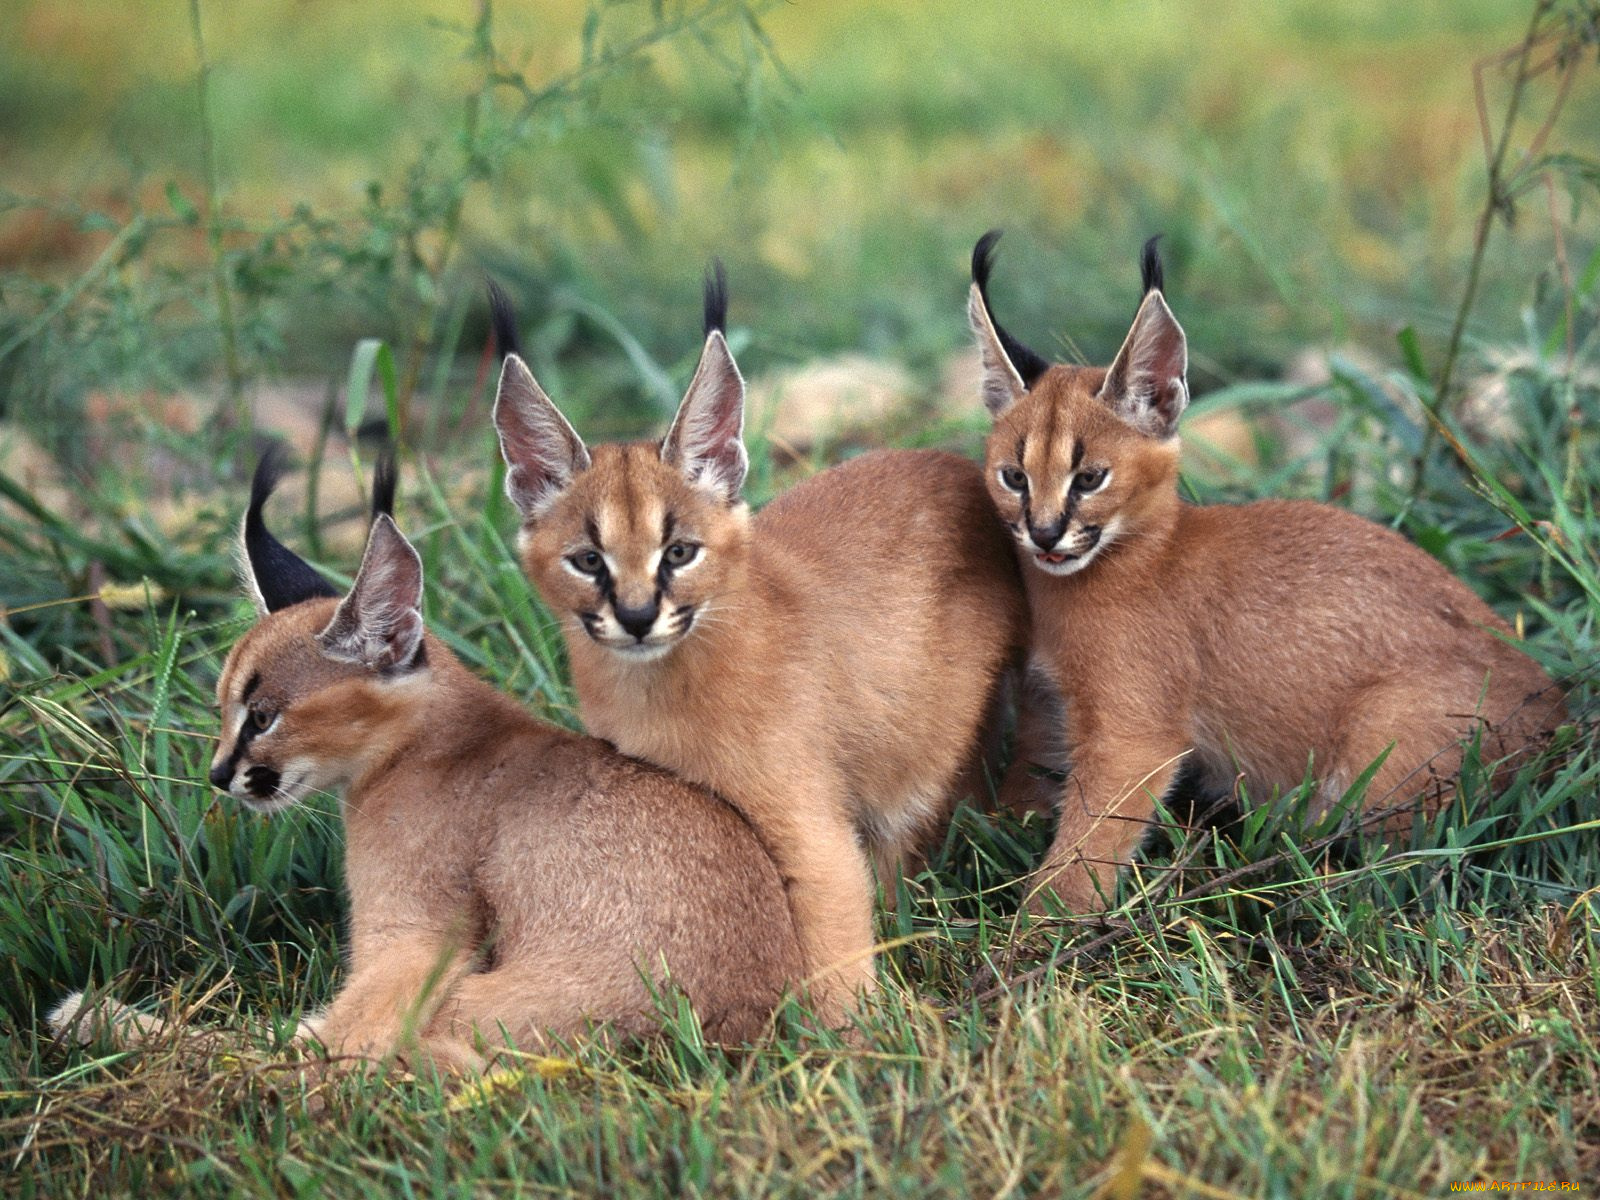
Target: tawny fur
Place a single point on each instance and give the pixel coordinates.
(1252, 641)
(829, 667)
(507, 879)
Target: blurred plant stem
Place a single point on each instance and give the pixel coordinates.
(450, 230)
(1495, 199)
(234, 412)
(1567, 38)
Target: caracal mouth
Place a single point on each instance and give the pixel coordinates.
(1056, 562)
(658, 644)
(1068, 562)
(286, 794)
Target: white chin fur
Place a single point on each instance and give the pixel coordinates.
(268, 808)
(642, 652)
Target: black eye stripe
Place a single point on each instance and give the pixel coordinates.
(247, 734)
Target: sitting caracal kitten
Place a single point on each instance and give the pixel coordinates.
(507, 878)
(1247, 639)
(829, 666)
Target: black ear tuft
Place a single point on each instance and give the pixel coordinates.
(281, 576)
(385, 477)
(983, 259)
(1150, 269)
(503, 317)
(1029, 365)
(716, 298)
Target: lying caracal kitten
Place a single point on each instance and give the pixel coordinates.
(506, 878)
(1248, 638)
(828, 666)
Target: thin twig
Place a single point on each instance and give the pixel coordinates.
(234, 412)
(1494, 198)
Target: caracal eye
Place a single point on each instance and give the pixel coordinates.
(681, 553)
(587, 561)
(1089, 481)
(1014, 478)
(262, 719)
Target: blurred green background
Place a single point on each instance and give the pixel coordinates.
(1316, 167)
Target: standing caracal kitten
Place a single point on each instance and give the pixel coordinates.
(1248, 639)
(507, 879)
(828, 666)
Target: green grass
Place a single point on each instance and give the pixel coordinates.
(1272, 1010)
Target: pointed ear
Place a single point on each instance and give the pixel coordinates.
(1147, 385)
(1009, 367)
(379, 624)
(274, 575)
(542, 450)
(1002, 385)
(706, 441)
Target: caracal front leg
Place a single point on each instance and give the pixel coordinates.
(1106, 805)
(394, 988)
(829, 883)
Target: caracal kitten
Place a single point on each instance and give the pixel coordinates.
(1249, 640)
(828, 666)
(507, 879)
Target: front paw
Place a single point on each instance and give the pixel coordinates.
(346, 1049)
(1070, 892)
(310, 1031)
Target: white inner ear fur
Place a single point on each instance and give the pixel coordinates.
(1147, 385)
(706, 441)
(1002, 382)
(542, 451)
(379, 624)
(247, 571)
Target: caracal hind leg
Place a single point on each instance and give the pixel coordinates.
(523, 1005)
(1423, 741)
(1106, 805)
